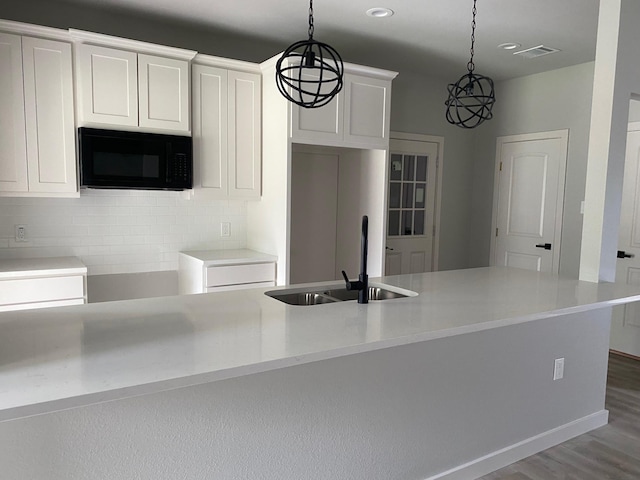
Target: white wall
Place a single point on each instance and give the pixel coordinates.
(417, 106)
(554, 100)
(406, 412)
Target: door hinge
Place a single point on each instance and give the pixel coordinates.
(500, 166)
(496, 232)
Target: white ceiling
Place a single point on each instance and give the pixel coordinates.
(428, 36)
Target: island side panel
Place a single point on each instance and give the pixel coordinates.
(410, 411)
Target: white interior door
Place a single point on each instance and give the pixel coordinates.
(625, 327)
(529, 200)
(411, 207)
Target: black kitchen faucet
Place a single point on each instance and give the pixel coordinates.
(362, 285)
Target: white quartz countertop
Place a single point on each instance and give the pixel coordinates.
(230, 257)
(34, 267)
(65, 357)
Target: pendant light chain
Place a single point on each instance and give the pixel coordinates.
(310, 19)
(470, 65)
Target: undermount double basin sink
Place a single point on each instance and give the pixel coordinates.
(334, 293)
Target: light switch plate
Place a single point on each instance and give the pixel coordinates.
(558, 369)
(225, 229)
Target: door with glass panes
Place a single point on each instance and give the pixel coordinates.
(411, 206)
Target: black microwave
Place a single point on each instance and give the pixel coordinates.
(133, 160)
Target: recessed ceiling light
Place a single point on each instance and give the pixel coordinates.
(380, 12)
(509, 46)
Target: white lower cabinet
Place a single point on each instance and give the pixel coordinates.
(37, 140)
(226, 132)
(219, 270)
(40, 283)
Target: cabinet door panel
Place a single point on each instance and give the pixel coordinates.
(163, 84)
(368, 103)
(244, 134)
(318, 126)
(108, 86)
(210, 129)
(13, 153)
(49, 116)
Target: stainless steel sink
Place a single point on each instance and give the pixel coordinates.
(334, 293)
(301, 298)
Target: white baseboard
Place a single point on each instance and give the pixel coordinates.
(513, 453)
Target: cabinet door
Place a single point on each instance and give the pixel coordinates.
(48, 87)
(244, 118)
(318, 126)
(210, 129)
(108, 84)
(13, 153)
(367, 111)
(163, 84)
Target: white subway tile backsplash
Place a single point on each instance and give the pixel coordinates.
(120, 231)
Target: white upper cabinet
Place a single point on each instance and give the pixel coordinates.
(48, 100)
(37, 139)
(13, 140)
(226, 131)
(367, 110)
(107, 86)
(357, 117)
(244, 133)
(132, 84)
(163, 86)
(318, 125)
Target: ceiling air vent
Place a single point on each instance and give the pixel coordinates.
(538, 51)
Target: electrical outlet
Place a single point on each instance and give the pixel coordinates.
(21, 233)
(558, 369)
(225, 229)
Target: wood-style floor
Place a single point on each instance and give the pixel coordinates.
(610, 452)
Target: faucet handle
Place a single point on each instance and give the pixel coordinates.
(346, 280)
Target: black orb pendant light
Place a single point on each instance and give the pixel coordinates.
(472, 97)
(309, 73)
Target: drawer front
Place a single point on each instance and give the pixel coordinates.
(28, 290)
(241, 286)
(31, 306)
(235, 274)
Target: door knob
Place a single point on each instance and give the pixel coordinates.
(546, 246)
(623, 254)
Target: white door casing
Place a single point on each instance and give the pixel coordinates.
(625, 326)
(406, 251)
(529, 200)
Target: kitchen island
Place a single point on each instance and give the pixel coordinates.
(451, 383)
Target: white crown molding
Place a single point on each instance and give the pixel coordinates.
(20, 28)
(228, 63)
(369, 71)
(81, 36)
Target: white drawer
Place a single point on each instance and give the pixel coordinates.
(241, 286)
(31, 306)
(235, 274)
(46, 289)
